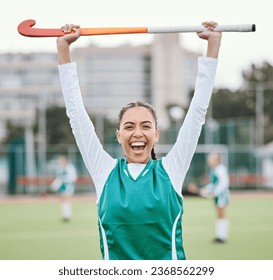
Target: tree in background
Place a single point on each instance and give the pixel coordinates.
(14, 131)
(262, 75)
(58, 129)
(242, 102)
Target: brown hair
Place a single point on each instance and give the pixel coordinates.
(139, 104)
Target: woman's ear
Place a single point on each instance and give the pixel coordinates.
(157, 134)
(118, 136)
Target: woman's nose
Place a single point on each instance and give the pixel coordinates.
(138, 132)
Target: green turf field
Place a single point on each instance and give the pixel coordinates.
(36, 231)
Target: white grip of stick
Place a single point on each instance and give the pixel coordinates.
(200, 28)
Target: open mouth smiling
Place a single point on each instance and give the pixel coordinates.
(138, 146)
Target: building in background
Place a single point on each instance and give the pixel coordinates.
(162, 73)
(28, 82)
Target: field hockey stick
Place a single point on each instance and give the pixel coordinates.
(202, 192)
(25, 29)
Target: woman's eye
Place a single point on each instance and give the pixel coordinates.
(128, 127)
(146, 127)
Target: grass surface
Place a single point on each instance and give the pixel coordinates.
(251, 230)
(34, 230)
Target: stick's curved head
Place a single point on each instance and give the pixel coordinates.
(25, 29)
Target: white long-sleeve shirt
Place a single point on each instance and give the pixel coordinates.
(99, 163)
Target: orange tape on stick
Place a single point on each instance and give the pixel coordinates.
(112, 30)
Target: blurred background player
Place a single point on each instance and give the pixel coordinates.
(64, 183)
(218, 188)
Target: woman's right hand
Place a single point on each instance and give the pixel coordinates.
(72, 33)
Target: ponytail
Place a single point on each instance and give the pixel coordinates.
(153, 154)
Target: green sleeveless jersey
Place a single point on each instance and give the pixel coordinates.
(140, 219)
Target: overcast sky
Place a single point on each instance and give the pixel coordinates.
(238, 51)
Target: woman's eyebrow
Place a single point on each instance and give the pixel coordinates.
(143, 122)
(146, 122)
(128, 123)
